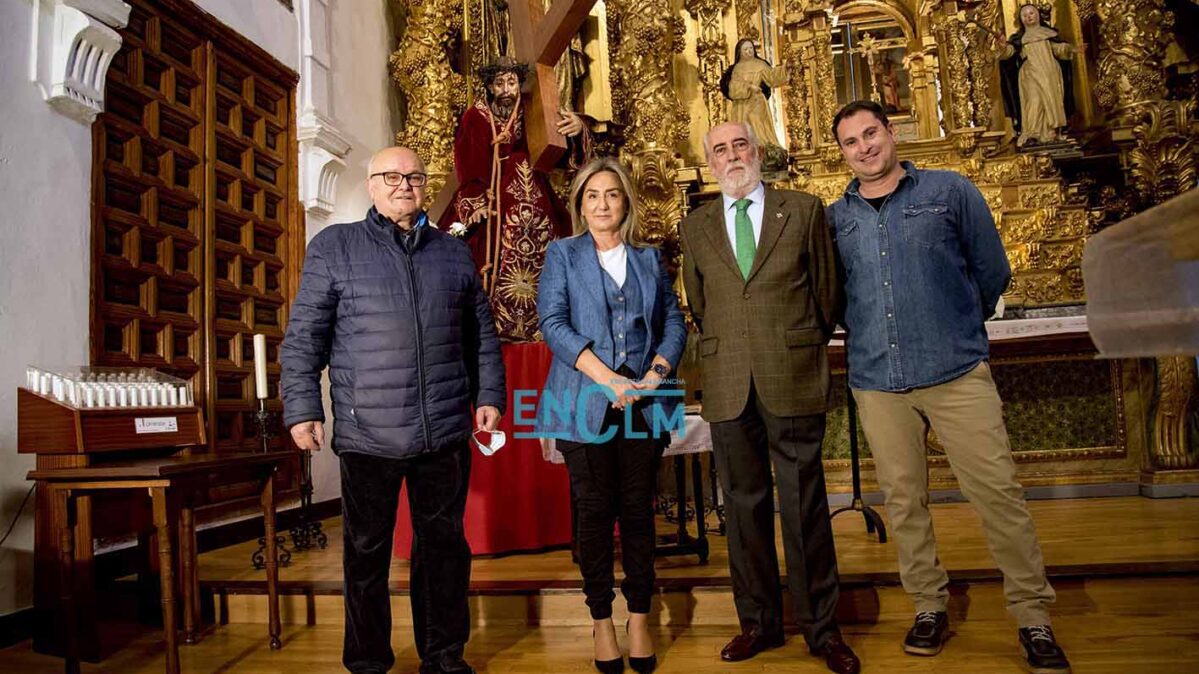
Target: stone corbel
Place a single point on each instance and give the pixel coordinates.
(322, 159)
(73, 44)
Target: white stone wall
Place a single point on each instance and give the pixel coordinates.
(45, 190)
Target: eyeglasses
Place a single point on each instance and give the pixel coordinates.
(394, 178)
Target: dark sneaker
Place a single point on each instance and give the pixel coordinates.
(928, 634)
(1041, 651)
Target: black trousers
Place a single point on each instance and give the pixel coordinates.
(370, 490)
(745, 448)
(614, 482)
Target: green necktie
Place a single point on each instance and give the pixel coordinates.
(745, 237)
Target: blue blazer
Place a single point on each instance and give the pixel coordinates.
(574, 316)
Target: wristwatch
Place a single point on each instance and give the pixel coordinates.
(660, 370)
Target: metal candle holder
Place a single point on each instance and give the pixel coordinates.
(262, 420)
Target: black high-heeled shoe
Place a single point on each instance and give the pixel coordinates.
(610, 666)
(644, 665)
(615, 666)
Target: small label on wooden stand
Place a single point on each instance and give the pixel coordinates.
(156, 424)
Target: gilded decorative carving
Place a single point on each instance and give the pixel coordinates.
(711, 49)
(1039, 195)
(968, 39)
(659, 204)
(619, 95)
(650, 34)
(1073, 221)
(965, 141)
(826, 82)
(799, 112)
(1173, 414)
(1085, 8)
(435, 93)
(993, 195)
(1162, 165)
(747, 20)
(980, 51)
(1133, 38)
(828, 188)
(1047, 287)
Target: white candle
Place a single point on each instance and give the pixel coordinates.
(173, 396)
(260, 366)
(89, 395)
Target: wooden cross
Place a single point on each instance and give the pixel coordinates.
(539, 37)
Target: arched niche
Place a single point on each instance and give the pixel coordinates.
(877, 55)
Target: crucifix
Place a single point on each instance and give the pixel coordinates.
(869, 47)
(539, 36)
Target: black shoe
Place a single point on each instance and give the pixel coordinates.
(928, 634)
(610, 666)
(641, 665)
(613, 666)
(1041, 651)
(644, 665)
(453, 664)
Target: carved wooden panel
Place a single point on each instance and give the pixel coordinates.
(193, 184)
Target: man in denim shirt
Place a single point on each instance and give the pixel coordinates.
(924, 266)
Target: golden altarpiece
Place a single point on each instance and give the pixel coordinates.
(647, 75)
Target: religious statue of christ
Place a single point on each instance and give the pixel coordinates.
(504, 208)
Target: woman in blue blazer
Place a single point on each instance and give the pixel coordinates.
(611, 318)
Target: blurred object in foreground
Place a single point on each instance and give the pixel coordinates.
(1142, 282)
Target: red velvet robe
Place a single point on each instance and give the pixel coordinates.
(531, 217)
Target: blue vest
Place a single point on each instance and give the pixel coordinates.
(630, 335)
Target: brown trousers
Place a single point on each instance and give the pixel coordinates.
(966, 414)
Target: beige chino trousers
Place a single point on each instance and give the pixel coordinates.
(966, 414)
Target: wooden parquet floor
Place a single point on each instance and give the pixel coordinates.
(1078, 537)
(1126, 571)
(1108, 626)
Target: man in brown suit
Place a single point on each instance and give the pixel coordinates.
(762, 284)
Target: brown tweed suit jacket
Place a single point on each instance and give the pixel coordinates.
(773, 328)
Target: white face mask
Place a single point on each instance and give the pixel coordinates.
(495, 441)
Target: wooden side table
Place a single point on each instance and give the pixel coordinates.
(176, 485)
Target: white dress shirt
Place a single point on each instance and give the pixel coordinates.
(757, 205)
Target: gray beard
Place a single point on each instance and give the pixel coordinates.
(751, 177)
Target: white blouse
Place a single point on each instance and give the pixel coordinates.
(615, 262)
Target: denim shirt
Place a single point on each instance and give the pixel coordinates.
(921, 275)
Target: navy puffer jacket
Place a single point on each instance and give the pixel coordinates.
(408, 338)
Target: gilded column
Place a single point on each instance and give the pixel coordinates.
(1161, 166)
(1176, 386)
(980, 55)
(434, 93)
(797, 37)
(966, 31)
(711, 48)
(650, 35)
(818, 52)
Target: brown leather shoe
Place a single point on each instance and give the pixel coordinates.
(748, 644)
(838, 656)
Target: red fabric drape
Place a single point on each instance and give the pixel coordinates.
(517, 500)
